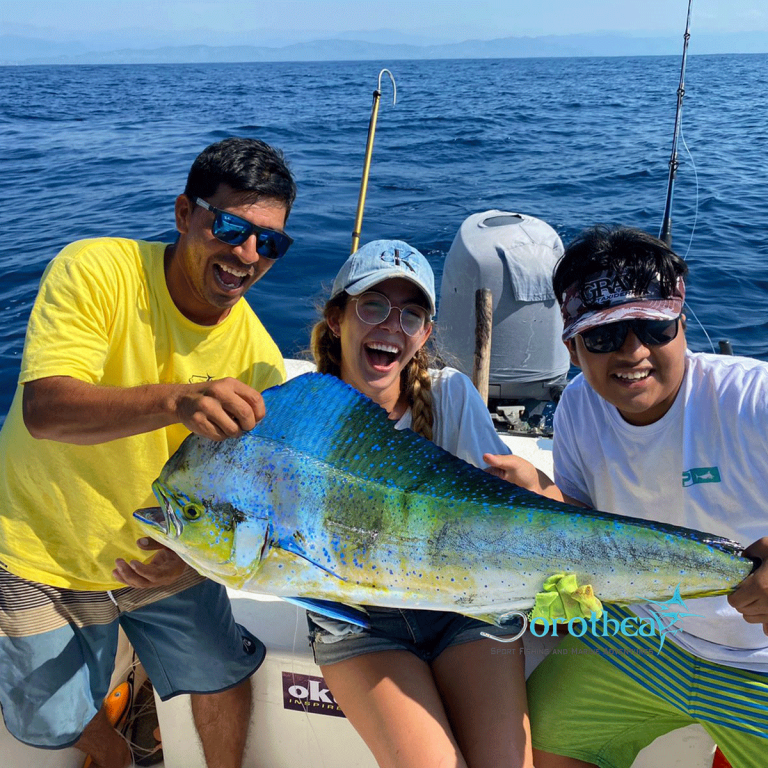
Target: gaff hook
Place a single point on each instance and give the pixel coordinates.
(368, 153)
(504, 618)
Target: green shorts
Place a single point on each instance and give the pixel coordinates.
(603, 699)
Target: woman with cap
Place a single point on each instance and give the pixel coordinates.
(422, 688)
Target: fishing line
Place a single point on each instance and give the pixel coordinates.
(704, 330)
(132, 665)
(693, 230)
(119, 705)
(125, 726)
(696, 203)
(666, 226)
(141, 752)
(307, 715)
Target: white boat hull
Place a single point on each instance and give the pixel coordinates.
(283, 737)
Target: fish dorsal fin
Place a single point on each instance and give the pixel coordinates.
(327, 419)
(323, 417)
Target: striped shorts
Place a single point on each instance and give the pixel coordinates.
(603, 699)
(57, 649)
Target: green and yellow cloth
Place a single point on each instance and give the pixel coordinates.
(562, 599)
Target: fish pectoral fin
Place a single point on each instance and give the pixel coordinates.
(293, 547)
(349, 613)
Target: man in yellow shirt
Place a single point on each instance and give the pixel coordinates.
(130, 346)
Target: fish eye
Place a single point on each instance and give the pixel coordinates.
(192, 512)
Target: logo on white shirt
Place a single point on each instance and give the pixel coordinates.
(700, 475)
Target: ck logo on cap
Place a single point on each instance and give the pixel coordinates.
(396, 259)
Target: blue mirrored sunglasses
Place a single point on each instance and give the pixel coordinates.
(611, 337)
(233, 230)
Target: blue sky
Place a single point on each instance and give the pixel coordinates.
(278, 22)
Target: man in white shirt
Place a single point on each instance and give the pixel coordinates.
(653, 431)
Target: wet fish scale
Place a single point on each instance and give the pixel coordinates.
(325, 499)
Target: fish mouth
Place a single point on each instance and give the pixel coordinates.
(160, 519)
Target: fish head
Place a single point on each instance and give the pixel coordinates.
(205, 532)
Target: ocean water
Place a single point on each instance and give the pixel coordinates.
(103, 150)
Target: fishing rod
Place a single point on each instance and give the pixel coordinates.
(367, 161)
(666, 226)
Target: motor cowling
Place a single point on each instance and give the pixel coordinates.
(513, 255)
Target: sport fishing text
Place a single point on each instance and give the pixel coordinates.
(535, 651)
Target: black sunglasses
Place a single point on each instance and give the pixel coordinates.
(611, 337)
(233, 230)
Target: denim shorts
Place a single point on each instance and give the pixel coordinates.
(424, 633)
(57, 649)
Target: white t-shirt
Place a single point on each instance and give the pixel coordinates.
(462, 423)
(704, 465)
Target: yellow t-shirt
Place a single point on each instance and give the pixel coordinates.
(103, 315)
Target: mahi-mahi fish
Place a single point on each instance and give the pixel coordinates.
(324, 499)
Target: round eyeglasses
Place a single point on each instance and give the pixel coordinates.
(374, 308)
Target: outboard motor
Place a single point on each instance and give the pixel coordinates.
(513, 255)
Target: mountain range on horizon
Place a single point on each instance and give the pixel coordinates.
(23, 50)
